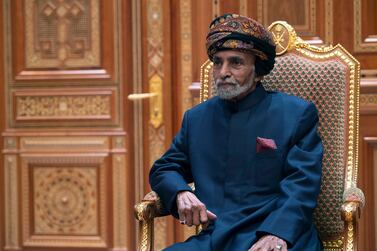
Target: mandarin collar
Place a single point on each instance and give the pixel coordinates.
(252, 99)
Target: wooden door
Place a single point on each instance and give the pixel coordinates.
(66, 71)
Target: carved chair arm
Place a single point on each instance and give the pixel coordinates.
(354, 200)
(145, 212)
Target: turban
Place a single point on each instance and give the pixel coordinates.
(235, 32)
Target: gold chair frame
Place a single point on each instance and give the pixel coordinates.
(353, 199)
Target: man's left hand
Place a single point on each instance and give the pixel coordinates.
(269, 243)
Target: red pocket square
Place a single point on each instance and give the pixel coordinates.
(265, 144)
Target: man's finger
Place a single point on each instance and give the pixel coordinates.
(203, 216)
(211, 216)
(195, 217)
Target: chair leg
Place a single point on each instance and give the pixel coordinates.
(146, 235)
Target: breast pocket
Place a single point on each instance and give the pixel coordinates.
(267, 168)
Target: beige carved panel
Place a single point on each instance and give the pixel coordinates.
(71, 106)
(11, 202)
(62, 33)
(64, 202)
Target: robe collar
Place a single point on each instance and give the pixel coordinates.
(252, 99)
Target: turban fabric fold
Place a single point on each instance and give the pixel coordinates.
(235, 32)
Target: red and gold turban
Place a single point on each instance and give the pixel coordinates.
(235, 32)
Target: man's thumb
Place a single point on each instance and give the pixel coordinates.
(211, 216)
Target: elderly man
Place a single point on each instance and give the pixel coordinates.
(254, 155)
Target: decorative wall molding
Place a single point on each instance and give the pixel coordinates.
(186, 52)
(243, 7)
(359, 44)
(156, 134)
(329, 21)
(62, 33)
(368, 103)
(73, 107)
(310, 27)
(215, 8)
(120, 208)
(66, 144)
(11, 203)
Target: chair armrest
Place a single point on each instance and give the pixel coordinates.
(149, 208)
(145, 212)
(354, 200)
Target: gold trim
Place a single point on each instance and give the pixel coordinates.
(284, 36)
(156, 103)
(359, 44)
(11, 202)
(333, 245)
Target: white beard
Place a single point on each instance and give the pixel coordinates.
(233, 90)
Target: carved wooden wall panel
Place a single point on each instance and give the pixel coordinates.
(365, 33)
(68, 198)
(68, 177)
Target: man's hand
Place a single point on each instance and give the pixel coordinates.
(268, 243)
(192, 211)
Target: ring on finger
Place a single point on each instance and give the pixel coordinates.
(278, 247)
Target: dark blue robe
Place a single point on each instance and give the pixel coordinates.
(252, 193)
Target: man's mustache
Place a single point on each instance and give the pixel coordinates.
(228, 81)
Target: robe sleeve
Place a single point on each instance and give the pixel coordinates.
(301, 183)
(171, 173)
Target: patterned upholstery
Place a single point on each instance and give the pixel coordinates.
(323, 83)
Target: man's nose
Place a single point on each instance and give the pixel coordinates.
(224, 71)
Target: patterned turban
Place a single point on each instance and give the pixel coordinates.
(232, 31)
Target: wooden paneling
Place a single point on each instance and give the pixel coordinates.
(68, 171)
(60, 40)
(2, 126)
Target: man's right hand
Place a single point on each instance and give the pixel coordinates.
(192, 211)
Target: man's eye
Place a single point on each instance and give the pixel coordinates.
(216, 63)
(237, 62)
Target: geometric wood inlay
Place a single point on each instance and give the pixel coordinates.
(65, 200)
(37, 107)
(62, 33)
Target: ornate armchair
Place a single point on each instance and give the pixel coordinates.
(329, 77)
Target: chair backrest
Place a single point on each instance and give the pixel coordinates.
(329, 77)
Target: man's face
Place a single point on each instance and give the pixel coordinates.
(234, 73)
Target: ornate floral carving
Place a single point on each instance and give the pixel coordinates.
(52, 107)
